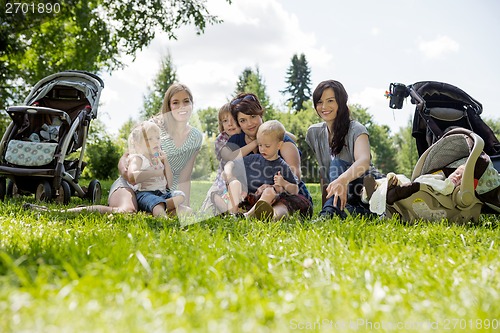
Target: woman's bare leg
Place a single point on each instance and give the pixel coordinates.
(122, 200)
(280, 211)
(94, 208)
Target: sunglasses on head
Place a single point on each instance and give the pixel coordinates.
(244, 98)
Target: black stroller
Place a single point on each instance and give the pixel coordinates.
(52, 124)
(443, 109)
(439, 108)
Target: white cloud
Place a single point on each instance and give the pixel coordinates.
(438, 47)
(375, 31)
(268, 32)
(254, 33)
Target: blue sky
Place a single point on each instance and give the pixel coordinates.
(364, 44)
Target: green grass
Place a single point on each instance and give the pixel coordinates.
(63, 272)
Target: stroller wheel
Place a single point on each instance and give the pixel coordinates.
(2, 188)
(63, 195)
(94, 191)
(12, 190)
(43, 191)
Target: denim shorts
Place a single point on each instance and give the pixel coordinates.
(147, 200)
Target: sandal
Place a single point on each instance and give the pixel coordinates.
(30, 206)
(263, 210)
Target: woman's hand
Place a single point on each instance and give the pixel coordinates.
(262, 188)
(123, 167)
(162, 156)
(338, 190)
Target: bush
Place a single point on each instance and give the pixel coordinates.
(102, 158)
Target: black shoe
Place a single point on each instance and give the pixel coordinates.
(370, 186)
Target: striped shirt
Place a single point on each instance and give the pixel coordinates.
(178, 157)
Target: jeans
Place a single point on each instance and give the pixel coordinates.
(147, 200)
(354, 204)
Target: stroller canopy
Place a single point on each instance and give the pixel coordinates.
(447, 107)
(440, 94)
(88, 84)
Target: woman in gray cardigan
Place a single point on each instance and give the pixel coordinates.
(342, 149)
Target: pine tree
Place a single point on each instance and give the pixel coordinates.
(299, 81)
(251, 81)
(154, 98)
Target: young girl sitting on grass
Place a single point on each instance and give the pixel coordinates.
(149, 172)
(218, 190)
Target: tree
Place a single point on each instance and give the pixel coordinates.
(102, 153)
(298, 126)
(209, 119)
(251, 81)
(384, 156)
(299, 81)
(494, 124)
(124, 132)
(406, 149)
(153, 100)
(88, 35)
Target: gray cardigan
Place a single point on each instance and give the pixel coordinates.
(317, 139)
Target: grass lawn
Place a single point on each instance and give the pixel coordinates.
(62, 272)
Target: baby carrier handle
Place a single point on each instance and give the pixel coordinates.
(466, 195)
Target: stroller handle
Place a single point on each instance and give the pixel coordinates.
(399, 91)
(39, 110)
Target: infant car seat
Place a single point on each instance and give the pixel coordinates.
(456, 147)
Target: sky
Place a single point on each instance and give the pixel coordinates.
(364, 44)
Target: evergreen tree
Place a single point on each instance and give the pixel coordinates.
(299, 81)
(251, 81)
(153, 100)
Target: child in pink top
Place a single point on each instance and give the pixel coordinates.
(227, 128)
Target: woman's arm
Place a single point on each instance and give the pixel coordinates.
(135, 173)
(228, 154)
(123, 168)
(339, 187)
(167, 169)
(185, 178)
(290, 153)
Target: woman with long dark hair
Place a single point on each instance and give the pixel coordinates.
(342, 149)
